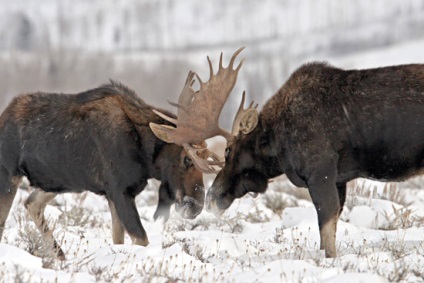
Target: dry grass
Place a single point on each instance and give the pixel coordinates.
(282, 194)
(401, 217)
(388, 258)
(76, 216)
(31, 240)
(390, 192)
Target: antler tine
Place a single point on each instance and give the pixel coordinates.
(197, 76)
(251, 105)
(210, 68)
(220, 62)
(203, 165)
(186, 95)
(233, 58)
(167, 118)
(187, 92)
(203, 146)
(192, 83)
(216, 158)
(239, 66)
(189, 80)
(176, 105)
(243, 97)
(184, 100)
(241, 107)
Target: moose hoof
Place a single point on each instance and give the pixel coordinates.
(141, 242)
(60, 254)
(161, 213)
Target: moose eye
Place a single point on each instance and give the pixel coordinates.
(187, 162)
(227, 153)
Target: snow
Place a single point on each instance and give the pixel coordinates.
(273, 238)
(250, 243)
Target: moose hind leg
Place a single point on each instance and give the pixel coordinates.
(118, 231)
(7, 195)
(35, 205)
(128, 215)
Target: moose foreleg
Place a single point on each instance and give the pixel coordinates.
(327, 231)
(323, 190)
(166, 199)
(128, 215)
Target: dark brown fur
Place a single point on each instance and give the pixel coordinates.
(325, 127)
(99, 141)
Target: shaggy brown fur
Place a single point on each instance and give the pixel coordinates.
(325, 127)
(100, 141)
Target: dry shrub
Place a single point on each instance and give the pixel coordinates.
(390, 192)
(399, 218)
(34, 243)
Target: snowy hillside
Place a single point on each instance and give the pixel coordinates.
(70, 46)
(273, 238)
(168, 25)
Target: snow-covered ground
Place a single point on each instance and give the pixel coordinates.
(273, 238)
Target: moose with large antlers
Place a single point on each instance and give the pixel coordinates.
(98, 140)
(324, 127)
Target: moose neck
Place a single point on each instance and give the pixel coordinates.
(156, 147)
(266, 150)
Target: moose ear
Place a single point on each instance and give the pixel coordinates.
(163, 132)
(248, 121)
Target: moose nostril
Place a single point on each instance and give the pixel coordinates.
(199, 188)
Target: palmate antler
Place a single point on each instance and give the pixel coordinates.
(198, 114)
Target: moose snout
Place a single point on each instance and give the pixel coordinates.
(211, 204)
(189, 208)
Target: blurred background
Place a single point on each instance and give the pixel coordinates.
(150, 45)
